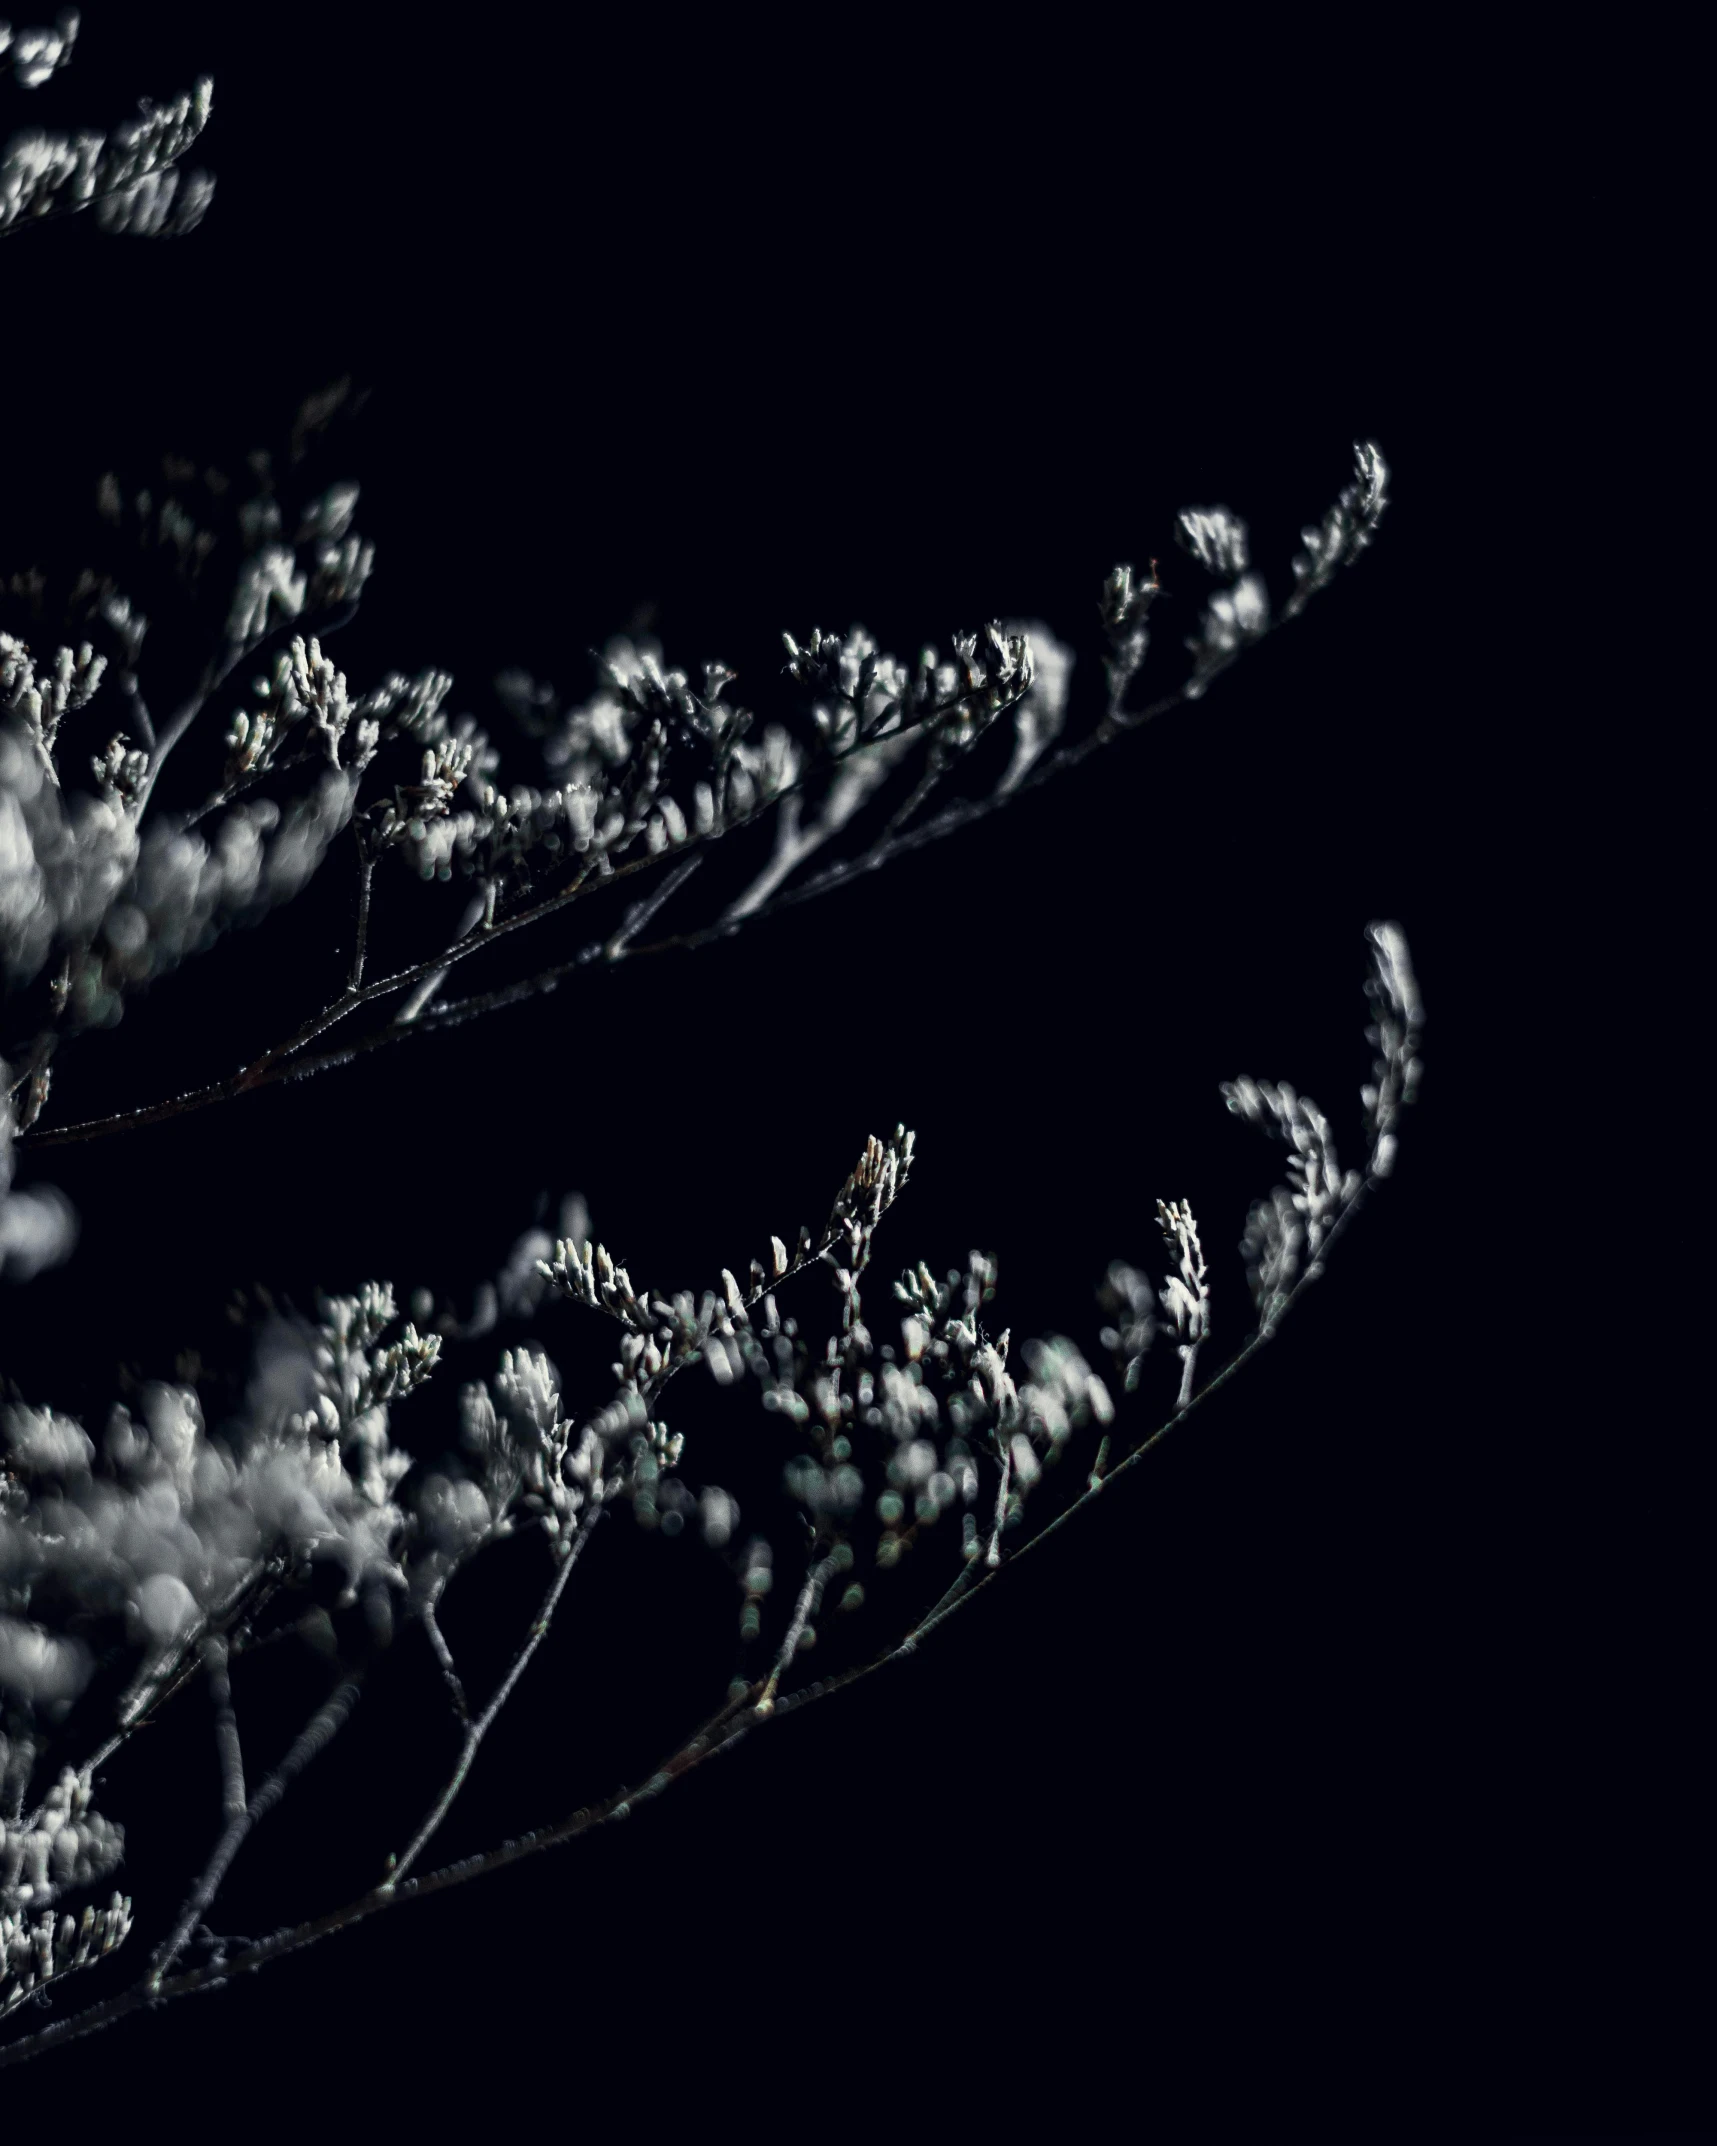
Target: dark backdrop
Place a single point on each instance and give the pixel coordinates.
(1319, 1783)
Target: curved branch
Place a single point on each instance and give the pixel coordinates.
(286, 1062)
(742, 1713)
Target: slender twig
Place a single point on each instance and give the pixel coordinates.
(994, 1554)
(642, 911)
(162, 1682)
(322, 1726)
(215, 1661)
(444, 1655)
(366, 873)
(720, 1733)
(955, 1588)
(475, 1731)
(275, 1063)
(803, 1610)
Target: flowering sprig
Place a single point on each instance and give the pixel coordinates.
(42, 702)
(66, 1845)
(1185, 1296)
(127, 176)
(653, 767)
(1302, 1217)
(882, 1439)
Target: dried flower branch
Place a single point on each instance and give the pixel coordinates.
(882, 1439)
(171, 1549)
(116, 891)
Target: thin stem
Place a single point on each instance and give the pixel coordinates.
(803, 1610)
(475, 1731)
(956, 1587)
(928, 778)
(215, 1660)
(274, 1064)
(720, 1733)
(994, 1556)
(642, 911)
(322, 1726)
(157, 1686)
(366, 873)
(444, 1655)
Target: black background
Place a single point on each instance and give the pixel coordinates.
(1324, 1782)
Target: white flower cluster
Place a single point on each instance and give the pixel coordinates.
(275, 586)
(898, 1436)
(1233, 617)
(1124, 608)
(304, 688)
(32, 1953)
(1185, 1296)
(63, 858)
(64, 1846)
(1345, 530)
(38, 53)
(1127, 1302)
(1022, 1425)
(120, 896)
(38, 1224)
(1040, 714)
(1396, 1030)
(615, 755)
(41, 702)
(67, 1845)
(1320, 1189)
(1297, 1218)
(530, 1452)
(861, 694)
(164, 1533)
(76, 875)
(1216, 538)
(160, 204)
(43, 174)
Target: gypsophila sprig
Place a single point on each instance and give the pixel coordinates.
(1345, 530)
(1185, 1296)
(115, 890)
(188, 1548)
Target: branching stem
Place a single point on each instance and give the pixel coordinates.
(720, 1733)
(287, 1060)
(317, 1732)
(475, 1731)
